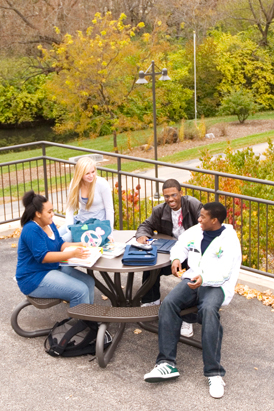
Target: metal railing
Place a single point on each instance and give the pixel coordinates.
(133, 195)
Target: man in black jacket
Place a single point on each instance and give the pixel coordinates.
(175, 215)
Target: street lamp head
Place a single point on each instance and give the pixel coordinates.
(141, 79)
(164, 76)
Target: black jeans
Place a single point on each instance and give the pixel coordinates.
(154, 293)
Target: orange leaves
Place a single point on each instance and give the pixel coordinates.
(266, 297)
(16, 234)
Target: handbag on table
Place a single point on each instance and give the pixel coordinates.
(93, 232)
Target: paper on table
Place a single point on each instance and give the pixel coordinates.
(111, 250)
(94, 255)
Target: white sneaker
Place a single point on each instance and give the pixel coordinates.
(161, 372)
(186, 330)
(157, 302)
(216, 386)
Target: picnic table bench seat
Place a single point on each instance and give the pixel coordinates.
(121, 315)
(103, 314)
(40, 303)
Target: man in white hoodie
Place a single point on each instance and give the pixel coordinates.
(214, 258)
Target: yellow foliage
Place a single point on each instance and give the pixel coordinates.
(141, 25)
(146, 37)
(95, 71)
(182, 130)
(122, 17)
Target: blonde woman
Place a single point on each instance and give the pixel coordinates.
(90, 195)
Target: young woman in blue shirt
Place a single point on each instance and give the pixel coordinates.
(40, 250)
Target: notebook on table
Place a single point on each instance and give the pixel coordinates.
(164, 246)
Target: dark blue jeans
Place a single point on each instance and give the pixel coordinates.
(154, 293)
(208, 301)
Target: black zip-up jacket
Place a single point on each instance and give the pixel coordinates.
(161, 220)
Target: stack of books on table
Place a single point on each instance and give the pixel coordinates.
(94, 255)
(111, 250)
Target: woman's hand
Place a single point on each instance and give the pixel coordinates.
(111, 239)
(80, 252)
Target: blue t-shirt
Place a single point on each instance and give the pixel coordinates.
(33, 245)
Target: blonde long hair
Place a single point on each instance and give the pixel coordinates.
(82, 167)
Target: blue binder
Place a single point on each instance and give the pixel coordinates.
(135, 256)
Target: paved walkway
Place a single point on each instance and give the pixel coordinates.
(32, 380)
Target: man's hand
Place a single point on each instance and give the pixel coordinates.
(143, 239)
(195, 282)
(176, 267)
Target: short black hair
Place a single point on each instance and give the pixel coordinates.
(32, 203)
(170, 183)
(216, 210)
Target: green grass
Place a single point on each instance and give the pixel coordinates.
(138, 138)
(106, 144)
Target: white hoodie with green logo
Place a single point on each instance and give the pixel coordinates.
(219, 265)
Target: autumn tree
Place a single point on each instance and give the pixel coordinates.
(24, 24)
(95, 74)
(245, 65)
(248, 13)
(184, 17)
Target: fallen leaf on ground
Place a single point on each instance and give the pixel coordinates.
(137, 331)
(104, 297)
(13, 245)
(266, 297)
(16, 233)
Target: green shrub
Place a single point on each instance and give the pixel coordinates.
(240, 103)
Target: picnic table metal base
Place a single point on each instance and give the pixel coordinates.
(41, 303)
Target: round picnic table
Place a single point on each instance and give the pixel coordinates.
(125, 305)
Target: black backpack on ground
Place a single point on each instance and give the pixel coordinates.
(72, 337)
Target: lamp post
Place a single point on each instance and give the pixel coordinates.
(142, 80)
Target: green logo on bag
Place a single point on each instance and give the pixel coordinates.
(84, 227)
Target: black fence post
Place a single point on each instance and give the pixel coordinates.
(45, 170)
(120, 194)
(216, 188)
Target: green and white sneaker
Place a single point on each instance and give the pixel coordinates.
(161, 372)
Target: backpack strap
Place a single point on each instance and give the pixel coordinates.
(58, 349)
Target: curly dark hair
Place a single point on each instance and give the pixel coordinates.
(32, 203)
